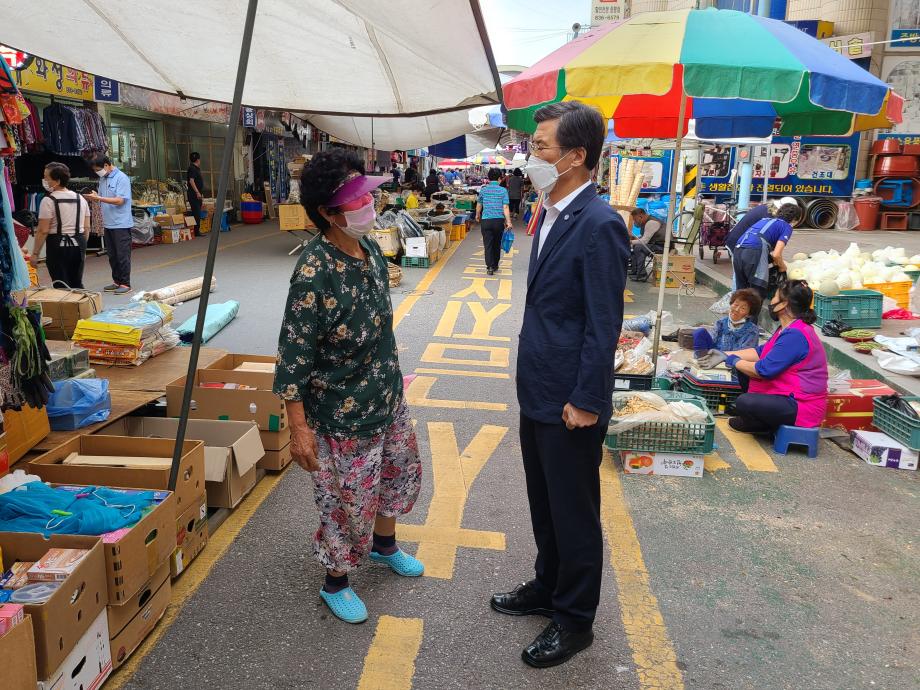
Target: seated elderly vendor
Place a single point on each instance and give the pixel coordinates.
(788, 374)
(738, 330)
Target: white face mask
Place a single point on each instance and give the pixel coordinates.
(542, 174)
(360, 221)
(47, 186)
(101, 173)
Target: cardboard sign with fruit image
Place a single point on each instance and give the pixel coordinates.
(670, 464)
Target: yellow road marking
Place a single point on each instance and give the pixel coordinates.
(436, 353)
(504, 289)
(653, 653)
(453, 474)
(448, 319)
(714, 462)
(198, 255)
(747, 448)
(470, 538)
(483, 320)
(476, 288)
(463, 372)
(627, 296)
(390, 662)
(482, 271)
(417, 395)
(406, 305)
(195, 574)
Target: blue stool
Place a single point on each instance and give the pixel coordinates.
(796, 436)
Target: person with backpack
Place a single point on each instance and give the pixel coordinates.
(63, 224)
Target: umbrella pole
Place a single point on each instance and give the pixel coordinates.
(222, 185)
(766, 173)
(675, 170)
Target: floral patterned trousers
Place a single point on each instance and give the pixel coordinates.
(358, 480)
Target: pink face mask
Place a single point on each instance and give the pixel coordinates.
(360, 221)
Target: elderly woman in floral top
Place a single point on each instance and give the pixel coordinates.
(339, 374)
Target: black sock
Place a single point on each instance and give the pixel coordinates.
(385, 546)
(335, 584)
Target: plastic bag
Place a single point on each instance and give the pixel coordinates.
(507, 240)
(721, 305)
(846, 216)
(896, 363)
(654, 408)
(77, 403)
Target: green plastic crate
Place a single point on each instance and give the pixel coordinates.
(669, 437)
(856, 308)
(913, 275)
(416, 262)
(717, 399)
(897, 424)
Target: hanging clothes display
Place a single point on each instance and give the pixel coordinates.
(70, 131)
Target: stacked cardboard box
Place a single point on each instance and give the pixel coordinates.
(17, 649)
(173, 227)
(238, 387)
(67, 360)
(681, 271)
(64, 308)
(293, 217)
(24, 429)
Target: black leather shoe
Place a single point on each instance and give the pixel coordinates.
(556, 645)
(524, 600)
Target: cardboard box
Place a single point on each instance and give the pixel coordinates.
(676, 279)
(170, 236)
(261, 405)
(17, 650)
(189, 484)
(24, 429)
(275, 440)
(178, 219)
(56, 565)
(134, 554)
(131, 623)
(67, 359)
(63, 619)
(293, 217)
(4, 456)
(676, 263)
(191, 536)
(164, 220)
(64, 308)
(276, 460)
(881, 450)
(190, 221)
(416, 247)
(852, 410)
(230, 453)
(720, 373)
(671, 464)
(11, 615)
(88, 664)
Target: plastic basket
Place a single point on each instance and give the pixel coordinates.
(856, 308)
(913, 275)
(632, 382)
(717, 398)
(669, 437)
(899, 292)
(897, 424)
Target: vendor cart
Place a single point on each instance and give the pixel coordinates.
(717, 222)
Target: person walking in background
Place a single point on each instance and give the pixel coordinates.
(494, 215)
(195, 188)
(63, 224)
(396, 175)
(572, 318)
(115, 196)
(432, 184)
(515, 192)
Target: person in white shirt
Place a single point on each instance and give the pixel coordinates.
(63, 224)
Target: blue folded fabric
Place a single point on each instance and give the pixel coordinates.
(92, 511)
(216, 317)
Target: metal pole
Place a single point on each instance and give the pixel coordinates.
(675, 170)
(766, 172)
(222, 185)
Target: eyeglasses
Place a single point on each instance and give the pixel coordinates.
(539, 149)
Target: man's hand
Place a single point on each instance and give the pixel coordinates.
(33, 259)
(577, 419)
(91, 196)
(199, 195)
(304, 448)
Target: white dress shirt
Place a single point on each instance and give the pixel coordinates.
(553, 211)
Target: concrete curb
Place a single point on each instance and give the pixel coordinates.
(837, 350)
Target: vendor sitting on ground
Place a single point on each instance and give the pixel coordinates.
(787, 375)
(650, 242)
(738, 330)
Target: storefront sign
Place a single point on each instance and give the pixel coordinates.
(106, 90)
(15, 59)
(249, 117)
(260, 120)
(167, 104)
(904, 25)
(44, 76)
(852, 46)
(604, 11)
(814, 27)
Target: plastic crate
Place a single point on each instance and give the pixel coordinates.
(856, 308)
(717, 398)
(897, 424)
(669, 437)
(632, 382)
(417, 262)
(899, 291)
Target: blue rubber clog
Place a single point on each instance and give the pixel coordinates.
(401, 563)
(345, 605)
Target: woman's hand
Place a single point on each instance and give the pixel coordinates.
(304, 448)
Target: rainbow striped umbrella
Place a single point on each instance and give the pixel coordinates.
(734, 73)
(489, 159)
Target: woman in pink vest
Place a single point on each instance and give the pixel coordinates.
(788, 374)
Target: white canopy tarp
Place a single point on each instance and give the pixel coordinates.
(394, 133)
(323, 56)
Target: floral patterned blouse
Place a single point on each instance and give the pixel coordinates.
(337, 351)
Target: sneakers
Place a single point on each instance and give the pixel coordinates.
(111, 288)
(122, 289)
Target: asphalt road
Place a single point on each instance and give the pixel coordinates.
(767, 572)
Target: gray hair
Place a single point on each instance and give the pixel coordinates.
(580, 126)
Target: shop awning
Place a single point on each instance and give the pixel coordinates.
(394, 133)
(381, 57)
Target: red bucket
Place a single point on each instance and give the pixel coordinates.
(867, 210)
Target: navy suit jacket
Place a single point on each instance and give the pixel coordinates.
(573, 313)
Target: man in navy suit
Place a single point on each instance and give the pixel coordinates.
(572, 321)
